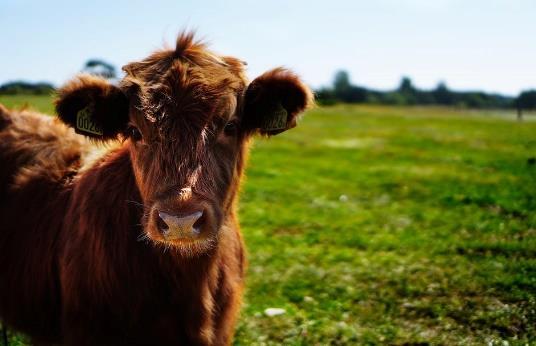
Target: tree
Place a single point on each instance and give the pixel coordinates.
(406, 87)
(344, 91)
(100, 68)
(443, 95)
(525, 100)
(407, 92)
(341, 82)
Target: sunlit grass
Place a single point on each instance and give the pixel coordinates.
(386, 225)
(378, 225)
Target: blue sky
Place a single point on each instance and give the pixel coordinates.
(470, 44)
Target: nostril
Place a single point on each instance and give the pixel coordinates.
(161, 224)
(199, 222)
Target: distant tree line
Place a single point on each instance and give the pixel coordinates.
(26, 88)
(96, 67)
(343, 90)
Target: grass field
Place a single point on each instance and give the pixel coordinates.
(384, 225)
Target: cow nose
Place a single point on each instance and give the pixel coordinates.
(179, 227)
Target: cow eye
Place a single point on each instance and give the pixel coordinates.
(134, 133)
(230, 128)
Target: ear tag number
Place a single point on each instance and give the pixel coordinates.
(84, 123)
(276, 119)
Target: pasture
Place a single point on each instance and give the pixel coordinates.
(388, 225)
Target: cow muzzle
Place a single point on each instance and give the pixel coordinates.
(180, 227)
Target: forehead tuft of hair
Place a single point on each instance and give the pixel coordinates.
(187, 79)
(186, 42)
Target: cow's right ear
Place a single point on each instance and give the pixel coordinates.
(93, 107)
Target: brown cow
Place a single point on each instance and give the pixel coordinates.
(139, 244)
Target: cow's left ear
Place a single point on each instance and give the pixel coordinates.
(93, 107)
(273, 102)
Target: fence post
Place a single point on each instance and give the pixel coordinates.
(519, 114)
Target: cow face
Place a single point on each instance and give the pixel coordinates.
(186, 116)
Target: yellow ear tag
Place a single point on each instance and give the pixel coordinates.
(84, 123)
(275, 119)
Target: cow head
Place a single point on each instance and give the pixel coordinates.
(186, 115)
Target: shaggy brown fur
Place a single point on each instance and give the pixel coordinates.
(83, 252)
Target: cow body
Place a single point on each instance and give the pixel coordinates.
(87, 275)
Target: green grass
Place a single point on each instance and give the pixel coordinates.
(385, 225)
(36, 102)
